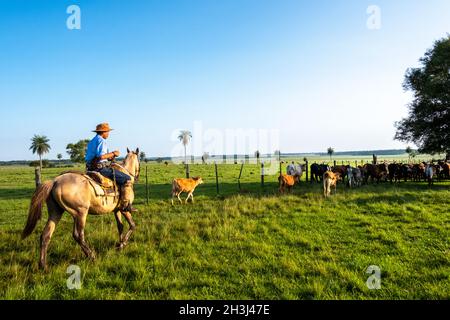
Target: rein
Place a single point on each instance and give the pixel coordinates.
(135, 176)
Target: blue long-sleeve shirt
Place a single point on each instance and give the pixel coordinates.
(96, 148)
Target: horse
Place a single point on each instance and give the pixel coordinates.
(72, 192)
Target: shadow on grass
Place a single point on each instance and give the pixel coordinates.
(16, 193)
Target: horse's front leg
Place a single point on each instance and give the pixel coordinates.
(118, 216)
(78, 233)
(130, 221)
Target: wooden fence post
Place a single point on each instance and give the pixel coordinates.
(281, 169)
(146, 183)
(187, 171)
(334, 162)
(240, 175)
(37, 176)
(217, 178)
(262, 174)
(307, 170)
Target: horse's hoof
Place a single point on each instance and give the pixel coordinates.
(121, 246)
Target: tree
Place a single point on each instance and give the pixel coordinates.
(59, 156)
(185, 137)
(40, 146)
(77, 151)
(330, 152)
(277, 153)
(428, 121)
(409, 151)
(143, 157)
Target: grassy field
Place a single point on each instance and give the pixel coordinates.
(255, 244)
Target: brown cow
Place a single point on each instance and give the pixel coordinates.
(376, 171)
(418, 172)
(185, 185)
(287, 181)
(330, 180)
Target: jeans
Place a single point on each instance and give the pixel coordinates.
(121, 178)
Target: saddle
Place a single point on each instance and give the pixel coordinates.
(102, 185)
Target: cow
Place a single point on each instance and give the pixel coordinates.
(430, 172)
(290, 169)
(185, 185)
(354, 177)
(376, 171)
(406, 172)
(395, 172)
(342, 170)
(445, 169)
(317, 171)
(288, 181)
(418, 172)
(330, 180)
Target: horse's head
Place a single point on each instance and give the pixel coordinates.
(132, 163)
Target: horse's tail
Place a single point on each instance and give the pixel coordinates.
(37, 203)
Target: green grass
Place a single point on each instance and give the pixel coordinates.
(250, 245)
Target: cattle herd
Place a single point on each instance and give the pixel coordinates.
(351, 176)
(393, 172)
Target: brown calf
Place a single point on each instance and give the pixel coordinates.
(288, 182)
(330, 180)
(185, 185)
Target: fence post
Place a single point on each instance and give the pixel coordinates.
(307, 171)
(281, 169)
(37, 176)
(187, 171)
(146, 183)
(334, 162)
(217, 178)
(240, 174)
(262, 174)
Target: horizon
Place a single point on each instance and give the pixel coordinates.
(398, 152)
(291, 75)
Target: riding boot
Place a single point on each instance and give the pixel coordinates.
(127, 198)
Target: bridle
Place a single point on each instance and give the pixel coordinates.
(136, 175)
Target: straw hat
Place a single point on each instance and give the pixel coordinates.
(103, 127)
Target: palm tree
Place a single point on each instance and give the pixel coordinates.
(39, 145)
(330, 152)
(185, 136)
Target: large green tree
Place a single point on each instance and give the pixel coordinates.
(428, 121)
(40, 145)
(77, 151)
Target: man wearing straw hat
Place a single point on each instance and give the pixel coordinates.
(97, 159)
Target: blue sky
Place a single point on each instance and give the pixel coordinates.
(311, 70)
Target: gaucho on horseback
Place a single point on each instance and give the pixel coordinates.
(97, 156)
(84, 193)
